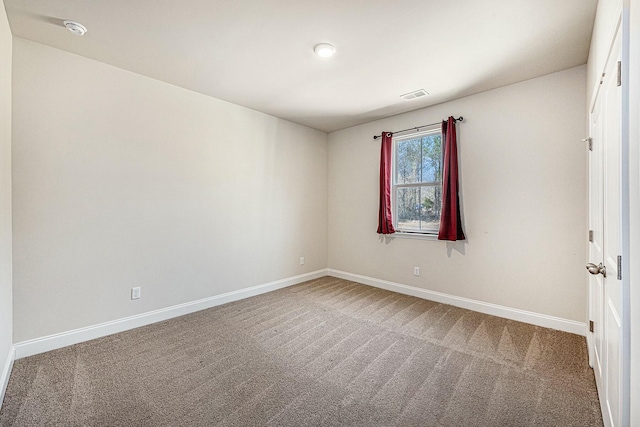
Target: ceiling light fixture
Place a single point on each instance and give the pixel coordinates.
(324, 50)
(75, 27)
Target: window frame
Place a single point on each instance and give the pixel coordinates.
(435, 129)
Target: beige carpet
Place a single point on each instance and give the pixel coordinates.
(323, 353)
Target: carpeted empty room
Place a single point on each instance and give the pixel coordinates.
(320, 213)
(326, 352)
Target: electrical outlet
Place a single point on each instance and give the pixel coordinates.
(301, 260)
(416, 271)
(135, 293)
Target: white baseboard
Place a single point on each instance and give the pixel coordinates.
(538, 319)
(52, 342)
(6, 372)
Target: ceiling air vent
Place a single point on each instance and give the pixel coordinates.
(415, 94)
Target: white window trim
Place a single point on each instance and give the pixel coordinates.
(420, 235)
(414, 235)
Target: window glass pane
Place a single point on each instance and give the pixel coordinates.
(408, 208)
(432, 158)
(418, 161)
(430, 204)
(408, 161)
(418, 208)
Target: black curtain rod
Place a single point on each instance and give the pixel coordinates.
(459, 119)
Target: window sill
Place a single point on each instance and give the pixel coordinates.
(416, 236)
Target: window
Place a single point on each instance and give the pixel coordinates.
(417, 182)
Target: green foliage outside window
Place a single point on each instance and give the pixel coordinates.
(419, 161)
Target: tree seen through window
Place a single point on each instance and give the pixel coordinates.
(418, 182)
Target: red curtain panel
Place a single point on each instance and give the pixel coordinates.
(450, 220)
(385, 221)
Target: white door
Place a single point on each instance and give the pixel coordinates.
(605, 291)
(596, 251)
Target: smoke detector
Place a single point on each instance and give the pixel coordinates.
(415, 94)
(75, 27)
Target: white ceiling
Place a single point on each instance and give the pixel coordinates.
(259, 53)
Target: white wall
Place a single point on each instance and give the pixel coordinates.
(120, 180)
(523, 179)
(5, 195)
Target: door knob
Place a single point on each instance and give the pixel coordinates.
(597, 269)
